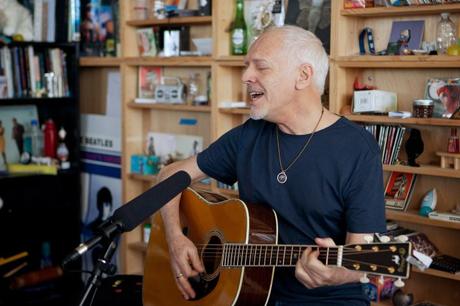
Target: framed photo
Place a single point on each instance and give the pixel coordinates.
(408, 31)
(146, 42)
(314, 16)
(399, 190)
(445, 92)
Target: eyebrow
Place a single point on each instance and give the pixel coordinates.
(256, 61)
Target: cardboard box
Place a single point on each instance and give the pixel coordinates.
(374, 101)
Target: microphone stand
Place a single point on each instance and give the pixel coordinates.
(103, 265)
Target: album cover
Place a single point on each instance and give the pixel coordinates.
(146, 42)
(149, 78)
(445, 92)
(398, 190)
(412, 31)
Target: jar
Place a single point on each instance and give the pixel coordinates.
(423, 108)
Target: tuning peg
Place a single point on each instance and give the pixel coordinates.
(402, 238)
(364, 279)
(368, 238)
(384, 239)
(381, 280)
(399, 283)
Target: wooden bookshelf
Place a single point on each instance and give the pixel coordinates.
(406, 61)
(231, 61)
(424, 170)
(405, 121)
(138, 246)
(190, 20)
(173, 61)
(100, 61)
(400, 11)
(438, 273)
(235, 111)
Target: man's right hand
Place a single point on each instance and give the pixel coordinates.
(185, 263)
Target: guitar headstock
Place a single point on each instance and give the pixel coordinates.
(388, 259)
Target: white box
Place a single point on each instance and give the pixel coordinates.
(374, 101)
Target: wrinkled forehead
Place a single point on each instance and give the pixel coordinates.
(267, 47)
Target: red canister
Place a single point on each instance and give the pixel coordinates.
(50, 135)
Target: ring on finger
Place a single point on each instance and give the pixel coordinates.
(179, 275)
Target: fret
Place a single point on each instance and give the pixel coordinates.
(245, 254)
(284, 256)
(278, 261)
(327, 256)
(238, 259)
(230, 259)
(265, 256)
(271, 256)
(292, 253)
(260, 254)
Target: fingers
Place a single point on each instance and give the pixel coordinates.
(310, 271)
(325, 242)
(184, 287)
(195, 261)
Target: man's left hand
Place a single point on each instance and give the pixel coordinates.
(311, 272)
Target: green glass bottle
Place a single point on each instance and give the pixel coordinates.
(239, 36)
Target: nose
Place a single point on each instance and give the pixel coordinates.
(248, 75)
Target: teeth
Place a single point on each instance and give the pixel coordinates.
(255, 94)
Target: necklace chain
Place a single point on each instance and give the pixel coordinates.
(282, 176)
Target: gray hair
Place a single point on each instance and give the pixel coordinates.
(306, 48)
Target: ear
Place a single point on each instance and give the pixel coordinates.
(304, 78)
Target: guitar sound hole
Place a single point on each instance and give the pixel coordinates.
(211, 256)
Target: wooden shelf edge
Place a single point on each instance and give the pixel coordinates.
(138, 246)
(145, 178)
(412, 216)
(437, 273)
(415, 121)
(407, 61)
(100, 61)
(400, 11)
(171, 21)
(180, 61)
(424, 170)
(235, 111)
(228, 192)
(170, 107)
(231, 61)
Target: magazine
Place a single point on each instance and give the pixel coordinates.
(399, 190)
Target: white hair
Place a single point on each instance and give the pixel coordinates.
(307, 49)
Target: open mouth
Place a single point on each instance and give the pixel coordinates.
(255, 95)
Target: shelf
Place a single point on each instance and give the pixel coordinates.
(138, 246)
(197, 20)
(145, 178)
(231, 61)
(37, 101)
(171, 107)
(395, 61)
(400, 11)
(235, 111)
(228, 192)
(182, 61)
(100, 61)
(437, 273)
(412, 216)
(424, 170)
(415, 121)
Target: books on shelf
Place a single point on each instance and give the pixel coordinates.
(34, 72)
(149, 77)
(399, 190)
(389, 139)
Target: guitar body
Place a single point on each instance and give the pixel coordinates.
(210, 219)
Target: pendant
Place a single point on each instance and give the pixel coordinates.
(281, 177)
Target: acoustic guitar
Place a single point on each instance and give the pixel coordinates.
(237, 244)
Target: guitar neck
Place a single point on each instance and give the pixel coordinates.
(273, 255)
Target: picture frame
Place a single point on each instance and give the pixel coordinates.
(146, 42)
(410, 31)
(149, 77)
(445, 93)
(398, 190)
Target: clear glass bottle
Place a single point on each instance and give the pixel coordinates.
(239, 36)
(37, 139)
(446, 34)
(193, 88)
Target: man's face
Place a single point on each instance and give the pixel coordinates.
(269, 77)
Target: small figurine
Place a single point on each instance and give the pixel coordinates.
(414, 147)
(62, 152)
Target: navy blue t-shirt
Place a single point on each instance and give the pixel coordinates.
(335, 187)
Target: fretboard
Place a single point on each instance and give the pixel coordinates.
(270, 255)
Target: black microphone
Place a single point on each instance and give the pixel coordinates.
(133, 213)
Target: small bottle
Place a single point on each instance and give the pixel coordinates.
(50, 136)
(446, 34)
(239, 36)
(37, 139)
(147, 229)
(193, 88)
(453, 145)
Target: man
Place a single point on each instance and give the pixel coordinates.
(321, 173)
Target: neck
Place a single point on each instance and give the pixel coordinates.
(263, 255)
(301, 120)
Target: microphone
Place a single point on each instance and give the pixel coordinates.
(133, 213)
